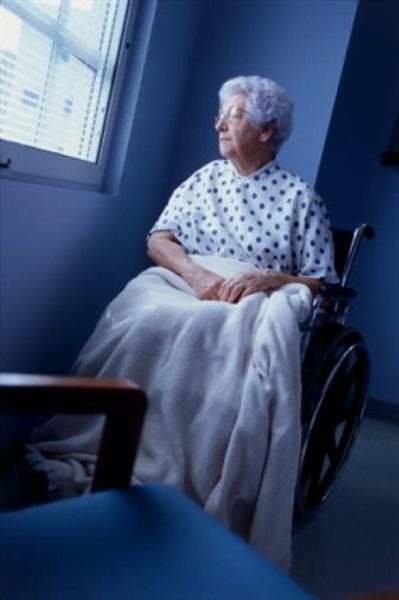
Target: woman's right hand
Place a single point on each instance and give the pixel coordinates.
(166, 251)
(206, 284)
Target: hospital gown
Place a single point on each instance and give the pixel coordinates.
(271, 219)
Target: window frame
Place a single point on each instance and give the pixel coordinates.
(25, 163)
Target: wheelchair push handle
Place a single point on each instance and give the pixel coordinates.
(363, 229)
(368, 231)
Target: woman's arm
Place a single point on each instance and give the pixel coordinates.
(166, 251)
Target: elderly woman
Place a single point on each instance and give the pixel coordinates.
(211, 333)
(247, 206)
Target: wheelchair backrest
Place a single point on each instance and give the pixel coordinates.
(346, 245)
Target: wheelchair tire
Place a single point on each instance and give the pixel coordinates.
(334, 398)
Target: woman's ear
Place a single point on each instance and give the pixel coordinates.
(267, 132)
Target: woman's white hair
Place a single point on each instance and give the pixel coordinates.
(266, 102)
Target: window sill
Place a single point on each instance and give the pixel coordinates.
(48, 181)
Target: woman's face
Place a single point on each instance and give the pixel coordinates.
(239, 140)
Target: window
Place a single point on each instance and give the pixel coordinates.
(58, 62)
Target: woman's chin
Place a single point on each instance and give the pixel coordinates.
(224, 150)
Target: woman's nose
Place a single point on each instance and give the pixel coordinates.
(221, 123)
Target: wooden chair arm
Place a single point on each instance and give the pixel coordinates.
(122, 401)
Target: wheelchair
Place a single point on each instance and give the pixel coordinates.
(335, 378)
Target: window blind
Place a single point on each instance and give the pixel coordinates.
(57, 65)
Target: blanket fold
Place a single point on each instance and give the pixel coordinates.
(224, 389)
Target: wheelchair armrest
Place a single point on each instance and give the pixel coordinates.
(123, 403)
(335, 291)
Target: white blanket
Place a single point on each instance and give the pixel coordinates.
(223, 383)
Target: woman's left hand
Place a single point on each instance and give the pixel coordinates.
(249, 282)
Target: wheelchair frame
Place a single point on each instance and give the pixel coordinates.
(335, 377)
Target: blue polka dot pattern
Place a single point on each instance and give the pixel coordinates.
(271, 208)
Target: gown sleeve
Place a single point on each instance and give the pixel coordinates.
(316, 256)
(177, 214)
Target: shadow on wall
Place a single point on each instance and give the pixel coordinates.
(356, 187)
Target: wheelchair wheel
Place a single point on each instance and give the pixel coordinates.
(334, 399)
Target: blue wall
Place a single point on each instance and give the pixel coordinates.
(301, 44)
(357, 188)
(65, 254)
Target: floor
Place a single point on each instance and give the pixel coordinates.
(352, 545)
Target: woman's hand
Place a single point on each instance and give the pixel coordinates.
(166, 251)
(205, 283)
(249, 282)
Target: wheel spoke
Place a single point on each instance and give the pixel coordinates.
(331, 447)
(348, 392)
(333, 405)
(315, 466)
